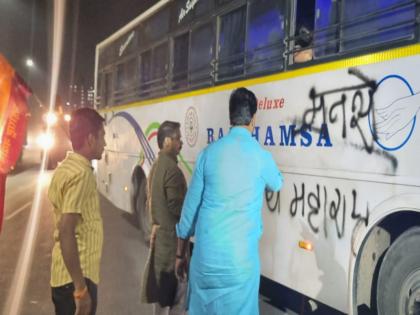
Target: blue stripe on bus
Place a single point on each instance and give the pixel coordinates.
(149, 154)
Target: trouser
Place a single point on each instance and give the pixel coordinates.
(179, 302)
(63, 298)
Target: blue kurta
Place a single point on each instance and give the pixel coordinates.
(222, 210)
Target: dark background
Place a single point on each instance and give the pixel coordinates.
(26, 31)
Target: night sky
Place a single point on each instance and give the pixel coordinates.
(25, 30)
(98, 20)
(23, 33)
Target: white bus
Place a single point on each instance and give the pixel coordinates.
(337, 83)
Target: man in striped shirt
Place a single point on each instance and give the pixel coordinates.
(78, 233)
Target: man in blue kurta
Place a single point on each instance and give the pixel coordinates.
(222, 210)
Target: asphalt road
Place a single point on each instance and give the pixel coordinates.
(124, 253)
(20, 190)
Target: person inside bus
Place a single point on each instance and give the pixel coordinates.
(166, 192)
(222, 210)
(303, 51)
(78, 231)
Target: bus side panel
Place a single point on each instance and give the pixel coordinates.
(122, 153)
(320, 129)
(335, 171)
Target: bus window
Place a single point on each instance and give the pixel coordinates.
(100, 97)
(368, 23)
(160, 67)
(203, 7)
(156, 27)
(130, 70)
(108, 89)
(303, 50)
(326, 33)
(146, 72)
(222, 2)
(180, 67)
(126, 77)
(303, 31)
(265, 35)
(202, 49)
(231, 44)
(119, 84)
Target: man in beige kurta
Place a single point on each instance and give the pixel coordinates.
(167, 188)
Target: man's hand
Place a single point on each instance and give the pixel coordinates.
(181, 268)
(83, 305)
(396, 116)
(181, 261)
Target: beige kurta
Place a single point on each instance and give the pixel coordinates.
(167, 188)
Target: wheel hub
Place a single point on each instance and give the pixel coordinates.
(410, 294)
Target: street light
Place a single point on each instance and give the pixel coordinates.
(67, 117)
(29, 62)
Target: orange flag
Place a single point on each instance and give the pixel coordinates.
(14, 94)
(6, 76)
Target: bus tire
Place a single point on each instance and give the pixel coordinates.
(143, 214)
(398, 288)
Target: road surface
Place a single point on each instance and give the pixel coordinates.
(124, 253)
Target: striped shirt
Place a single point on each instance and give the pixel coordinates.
(73, 190)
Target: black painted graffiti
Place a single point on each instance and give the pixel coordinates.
(319, 202)
(312, 204)
(272, 200)
(337, 111)
(381, 153)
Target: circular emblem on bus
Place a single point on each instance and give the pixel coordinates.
(395, 115)
(191, 126)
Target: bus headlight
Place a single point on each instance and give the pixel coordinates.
(45, 141)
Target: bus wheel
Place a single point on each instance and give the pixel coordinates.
(398, 289)
(139, 198)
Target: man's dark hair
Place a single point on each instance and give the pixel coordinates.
(304, 37)
(84, 121)
(167, 129)
(242, 107)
